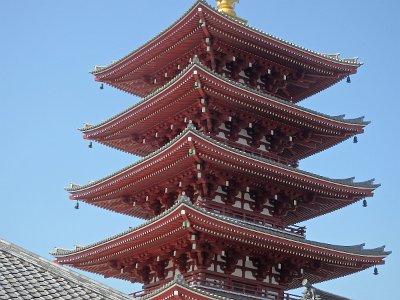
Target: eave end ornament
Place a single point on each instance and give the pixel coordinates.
(309, 293)
(228, 7)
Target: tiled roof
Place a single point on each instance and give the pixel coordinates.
(24, 275)
(180, 282)
(184, 201)
(328, 57)
(328, 296)
(369, 184)
(196, 63)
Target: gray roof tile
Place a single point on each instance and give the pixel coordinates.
(24, 275)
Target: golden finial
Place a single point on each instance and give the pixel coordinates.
(228, 7)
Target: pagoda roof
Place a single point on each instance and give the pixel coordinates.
(177, 42)
(180, 287)
(167, 227)
(173, 159)
(180, 94)
(24, 275)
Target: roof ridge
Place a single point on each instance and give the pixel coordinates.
(334, 58)
(182, 199)
(94, 72)
(282, 101)
(76, 187)
(354, 184)
(324, 294)
(88, 126)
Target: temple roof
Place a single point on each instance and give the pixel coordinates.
(270, 99)
(184, 202)
(168, 225)
(188, 33)
(173, 160)
(180, 94)
(329, 57)
(24, 275)
(369, 184)
(179, 286)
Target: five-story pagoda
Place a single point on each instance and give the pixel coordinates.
(221, 136)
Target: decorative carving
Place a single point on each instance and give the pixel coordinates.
(289, 271)
(182, 263)
(231, 258)
(168, 199)
(263, 265)
(158, 267)
(310, 294)
(155, 206)
(203, 255)
(144, 274)
(260, 197)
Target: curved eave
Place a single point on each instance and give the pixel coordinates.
(190, 130)
(283, 44)
(145, 231)
(190, 292)
(270, 99)
(264, 38)
(157, 104)
(159, 39)
(159, 230)
(174, 160)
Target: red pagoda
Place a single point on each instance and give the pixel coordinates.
(221, 136)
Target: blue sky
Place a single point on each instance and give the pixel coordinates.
(47, 49)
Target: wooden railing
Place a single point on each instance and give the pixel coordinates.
(262, 153)
(252, 220)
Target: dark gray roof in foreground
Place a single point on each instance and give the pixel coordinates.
(328, 296)
(24, 275)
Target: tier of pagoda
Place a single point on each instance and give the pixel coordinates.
(221, 136)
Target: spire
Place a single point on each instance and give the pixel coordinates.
(228, 7)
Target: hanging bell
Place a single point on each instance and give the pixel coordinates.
(355, 140)
(76, 205)
(348, 80)
(90, 145)
(376, 271)
(365, 203)
(102, 86)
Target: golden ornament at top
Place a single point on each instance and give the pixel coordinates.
(228, 7)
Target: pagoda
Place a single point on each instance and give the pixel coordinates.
(220, 135)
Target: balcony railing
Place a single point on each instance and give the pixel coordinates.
(262, 153)
(252, 220)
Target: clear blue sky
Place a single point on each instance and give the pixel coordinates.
(47, 49)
